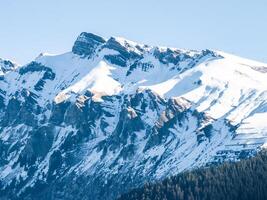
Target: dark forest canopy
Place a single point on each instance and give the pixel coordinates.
(246, 180)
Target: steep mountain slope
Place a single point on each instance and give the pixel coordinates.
(112, 114)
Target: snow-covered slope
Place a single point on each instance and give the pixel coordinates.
(112, 114)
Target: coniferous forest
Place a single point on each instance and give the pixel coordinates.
(244, 180)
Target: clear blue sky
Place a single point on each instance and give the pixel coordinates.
(29, 27)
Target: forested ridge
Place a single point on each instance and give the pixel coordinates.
(245, 180)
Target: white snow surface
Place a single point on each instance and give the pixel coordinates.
(230, 86)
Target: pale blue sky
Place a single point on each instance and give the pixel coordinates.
(29, 27)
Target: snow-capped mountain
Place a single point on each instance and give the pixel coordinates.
(112, 114)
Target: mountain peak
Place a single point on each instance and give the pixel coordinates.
(88, 37)
(87, 43)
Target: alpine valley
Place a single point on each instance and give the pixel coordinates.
(112, 114)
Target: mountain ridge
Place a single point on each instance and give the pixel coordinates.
(112, 114)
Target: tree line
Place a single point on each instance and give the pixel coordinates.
(244, 180)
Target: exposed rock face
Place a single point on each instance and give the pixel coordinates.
(6, 66)
(112, 115)
(86, 44)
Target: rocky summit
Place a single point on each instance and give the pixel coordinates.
(6, 66)
(113, 114)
